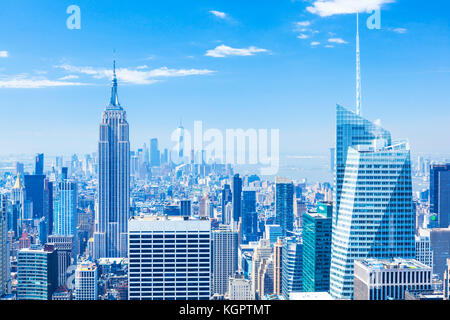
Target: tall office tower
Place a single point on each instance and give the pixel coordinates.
(229, 214)
(284, 205)
(351, 130)
(292, 265)
(37, 276)
(64, 247)
(185, 208)
(225, 257)
(181, 142)
(263, 251)
(376, 279)
(39, 164)
(239, 288)
(18, 202)
(277, 266)
(237, 198)
(249, 217)
(440, 193)
(19, 169)
(4, 252)
(86, 278)
(317, 248)
(48, 205)
(332, 159)
(34, 191)
(265, 278)
(424, 253)
(374, 194)
(110, 237)
(203, 206)
(273, 232)
(169, 258)
(440, 244)
(446, 283)
(226, 198)
(155, 156)
(65, 217)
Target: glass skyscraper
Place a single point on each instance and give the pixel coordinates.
(374, 215)
(65, 218)
(284, 205)
(440, 193)
(110, 237)
(317, 248)
(291, 268)
(249, 216)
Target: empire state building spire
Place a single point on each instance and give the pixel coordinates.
(114, 102)
(358, 70)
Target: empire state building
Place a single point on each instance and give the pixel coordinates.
(113, 211)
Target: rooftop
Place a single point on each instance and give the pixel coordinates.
(396, 263)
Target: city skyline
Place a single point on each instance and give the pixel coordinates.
(280, 66)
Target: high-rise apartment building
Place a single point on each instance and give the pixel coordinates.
(110, 237)
(226, 198)
(277, 266)
(64, 247)
(169, 258)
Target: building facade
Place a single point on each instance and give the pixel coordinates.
(169, 258)
(376, 279)
(225, 258)
(110, 237)
(317, 248)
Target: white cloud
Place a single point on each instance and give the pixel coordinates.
(142, 67)
(218, 14)
(223, 51)
(302, 36)
(303, 23)
(69, 77)
(337, 40)
(315, 43)
(400, 30)
(137, 76)
(24, 82)
(329, 46)
(4, 54)
(325, 8)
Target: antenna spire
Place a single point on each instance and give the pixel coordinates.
(114, 102)
(358, 69)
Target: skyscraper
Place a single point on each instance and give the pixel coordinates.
(249, 216)
(155, 156)
(237, 198)
(284, 205)
(169, 258)
(110, 237)
(317, 248)
(440, 193)
(225, 257)
(292, 266)
(226, 198)
(39, 164)
(86, 277)
(4, 252)
(37, 275)
(375, 217)
(65, 213)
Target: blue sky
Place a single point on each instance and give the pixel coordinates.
(232, 64)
